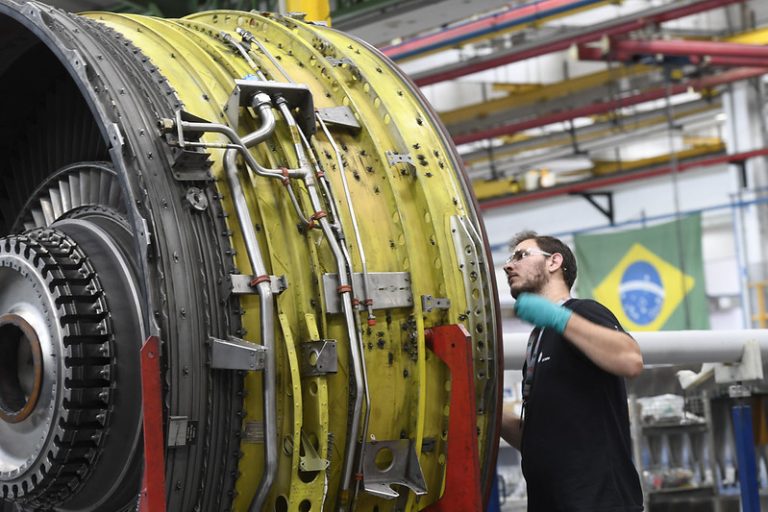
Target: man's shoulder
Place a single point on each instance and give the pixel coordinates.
(595, 312)
(585, 305)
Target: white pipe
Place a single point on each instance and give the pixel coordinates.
(666, 347)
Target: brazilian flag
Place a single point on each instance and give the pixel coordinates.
(652, 278)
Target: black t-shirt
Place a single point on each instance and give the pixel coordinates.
(576, 447)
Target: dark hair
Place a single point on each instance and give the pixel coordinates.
(552, 245)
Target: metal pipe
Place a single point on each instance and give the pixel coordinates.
(238, 145)
(666, 347)
(366, 293)
(622, 25)
(247, 36)
(353, 215)
(355, 335)
(356, 351)
(242, 51)
(262, 104)
(687, 48)
(621, 54)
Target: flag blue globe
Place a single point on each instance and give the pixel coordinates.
(641, 291)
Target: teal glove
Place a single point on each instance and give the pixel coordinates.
(541, 312)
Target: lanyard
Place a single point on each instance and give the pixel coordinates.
(532, 358)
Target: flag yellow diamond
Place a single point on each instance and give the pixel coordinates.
(643, 290)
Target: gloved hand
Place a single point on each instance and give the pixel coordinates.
(541, 312)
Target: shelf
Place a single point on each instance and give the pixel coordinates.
(665, 428)
(700, 489)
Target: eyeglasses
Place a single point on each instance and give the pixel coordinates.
(520, 254)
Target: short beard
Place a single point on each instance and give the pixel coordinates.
(534, 284)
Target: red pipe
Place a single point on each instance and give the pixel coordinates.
(697, 52)
(686, 48)
(733, 75)
(618, 179)
(567, 40)
(728, 61)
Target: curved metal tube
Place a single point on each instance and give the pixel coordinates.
(238, 146)
(261, 102)
(355, 344)
(366, 284)
(355, 336)
(355, 228)
(247, 36)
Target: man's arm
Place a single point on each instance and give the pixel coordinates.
(511, 427)
(613, 351)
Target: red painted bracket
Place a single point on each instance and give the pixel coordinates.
(152, 497)
(453, 344)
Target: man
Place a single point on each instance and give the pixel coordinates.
(574, 431)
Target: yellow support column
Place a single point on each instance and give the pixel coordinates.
(760, 316)
(316, 10)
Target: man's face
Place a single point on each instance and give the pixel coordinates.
(526, 269)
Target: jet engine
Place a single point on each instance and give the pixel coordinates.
(274, 207)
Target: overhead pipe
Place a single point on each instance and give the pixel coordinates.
(606, 106)
(486, 26)
(685, 48)
(615, 55)
(619, 179)
(666, 347)
(696, 52)
(623, 25)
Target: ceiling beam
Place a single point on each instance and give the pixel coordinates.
(512, 18)
(556, 97)
(618, 179)
(623, 25)
(595, 136)
(500, 106)
(733, 75)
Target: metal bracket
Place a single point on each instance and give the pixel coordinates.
(253, 432)
(387, 463)
(181, 431)
(190, 161)
(311, 460)
(115, 135)
(241, 284)
(236, 354)
(339, 116)
(333, 61)
(750, 367)
(428, 303)
(387, 289)
(298, 96)
(191, 165)
(318, 358)
(606, 210)
(399, 158)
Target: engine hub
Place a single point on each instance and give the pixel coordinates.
(59, 373)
